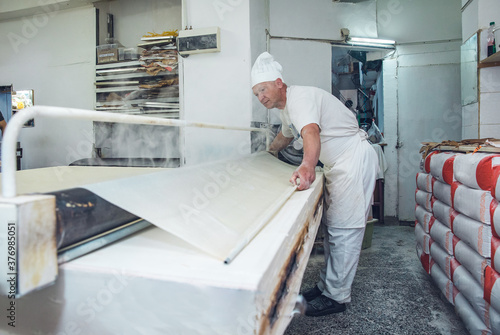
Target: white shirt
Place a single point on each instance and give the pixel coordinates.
(338, 125)
(351, 163)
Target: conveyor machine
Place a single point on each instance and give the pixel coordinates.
(214, 249)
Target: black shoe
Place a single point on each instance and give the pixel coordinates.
(312, 293)
(323, 305)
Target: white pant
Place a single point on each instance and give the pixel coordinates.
(342, 250)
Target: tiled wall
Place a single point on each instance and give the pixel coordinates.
(489, 102)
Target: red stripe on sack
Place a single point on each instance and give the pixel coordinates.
(448, 170)
(427, 163)
(484, 173)
(490, 277)
(425, 260)
(431, 222)
(454, 264)
(433, 200)
(454, 187)
(493, 207)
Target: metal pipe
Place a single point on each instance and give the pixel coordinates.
(9, 141)
(291, 38)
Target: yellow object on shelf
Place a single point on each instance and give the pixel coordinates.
(165, 33)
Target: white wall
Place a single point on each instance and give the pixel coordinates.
(408, 21)
(259, 22)
(53, 53)
(322, 18)
(217, 85)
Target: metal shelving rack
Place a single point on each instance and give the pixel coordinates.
(120, 88)
(138, 87)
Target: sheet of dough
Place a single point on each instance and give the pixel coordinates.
(64, 177)
(213, 207)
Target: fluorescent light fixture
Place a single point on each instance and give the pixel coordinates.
(371, 41)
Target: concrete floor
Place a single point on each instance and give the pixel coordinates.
(391, 293)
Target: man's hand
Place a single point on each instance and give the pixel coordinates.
(306, 171)
(306, 175)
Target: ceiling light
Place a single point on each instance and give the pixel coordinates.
(371, 41)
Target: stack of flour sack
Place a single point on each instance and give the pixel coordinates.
(458, 233)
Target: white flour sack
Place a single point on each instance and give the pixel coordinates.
(492, 287)
(472, 261)
(425, 181)
(422, 238)
(442, 166)
(424, 199)
(495, 253)
(444, 284)
(443, 236)
(495, 218)
(425, 259)
(464, 282)
(442, 258)
(476, 170)
(494, 321)
(427, 161)
(476, 234)
(471, 320)
(425, 218)
(442, 192)
(471, 202)
(444, 213)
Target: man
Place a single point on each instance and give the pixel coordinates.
(329, 132)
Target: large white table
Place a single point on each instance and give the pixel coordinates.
(156, 283)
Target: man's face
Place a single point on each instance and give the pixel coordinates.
(269, 94)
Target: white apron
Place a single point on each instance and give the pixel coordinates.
(349, 183)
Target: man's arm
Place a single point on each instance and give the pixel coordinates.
(306, 171)
(279, 143)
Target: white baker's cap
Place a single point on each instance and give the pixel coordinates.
(265, 69)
